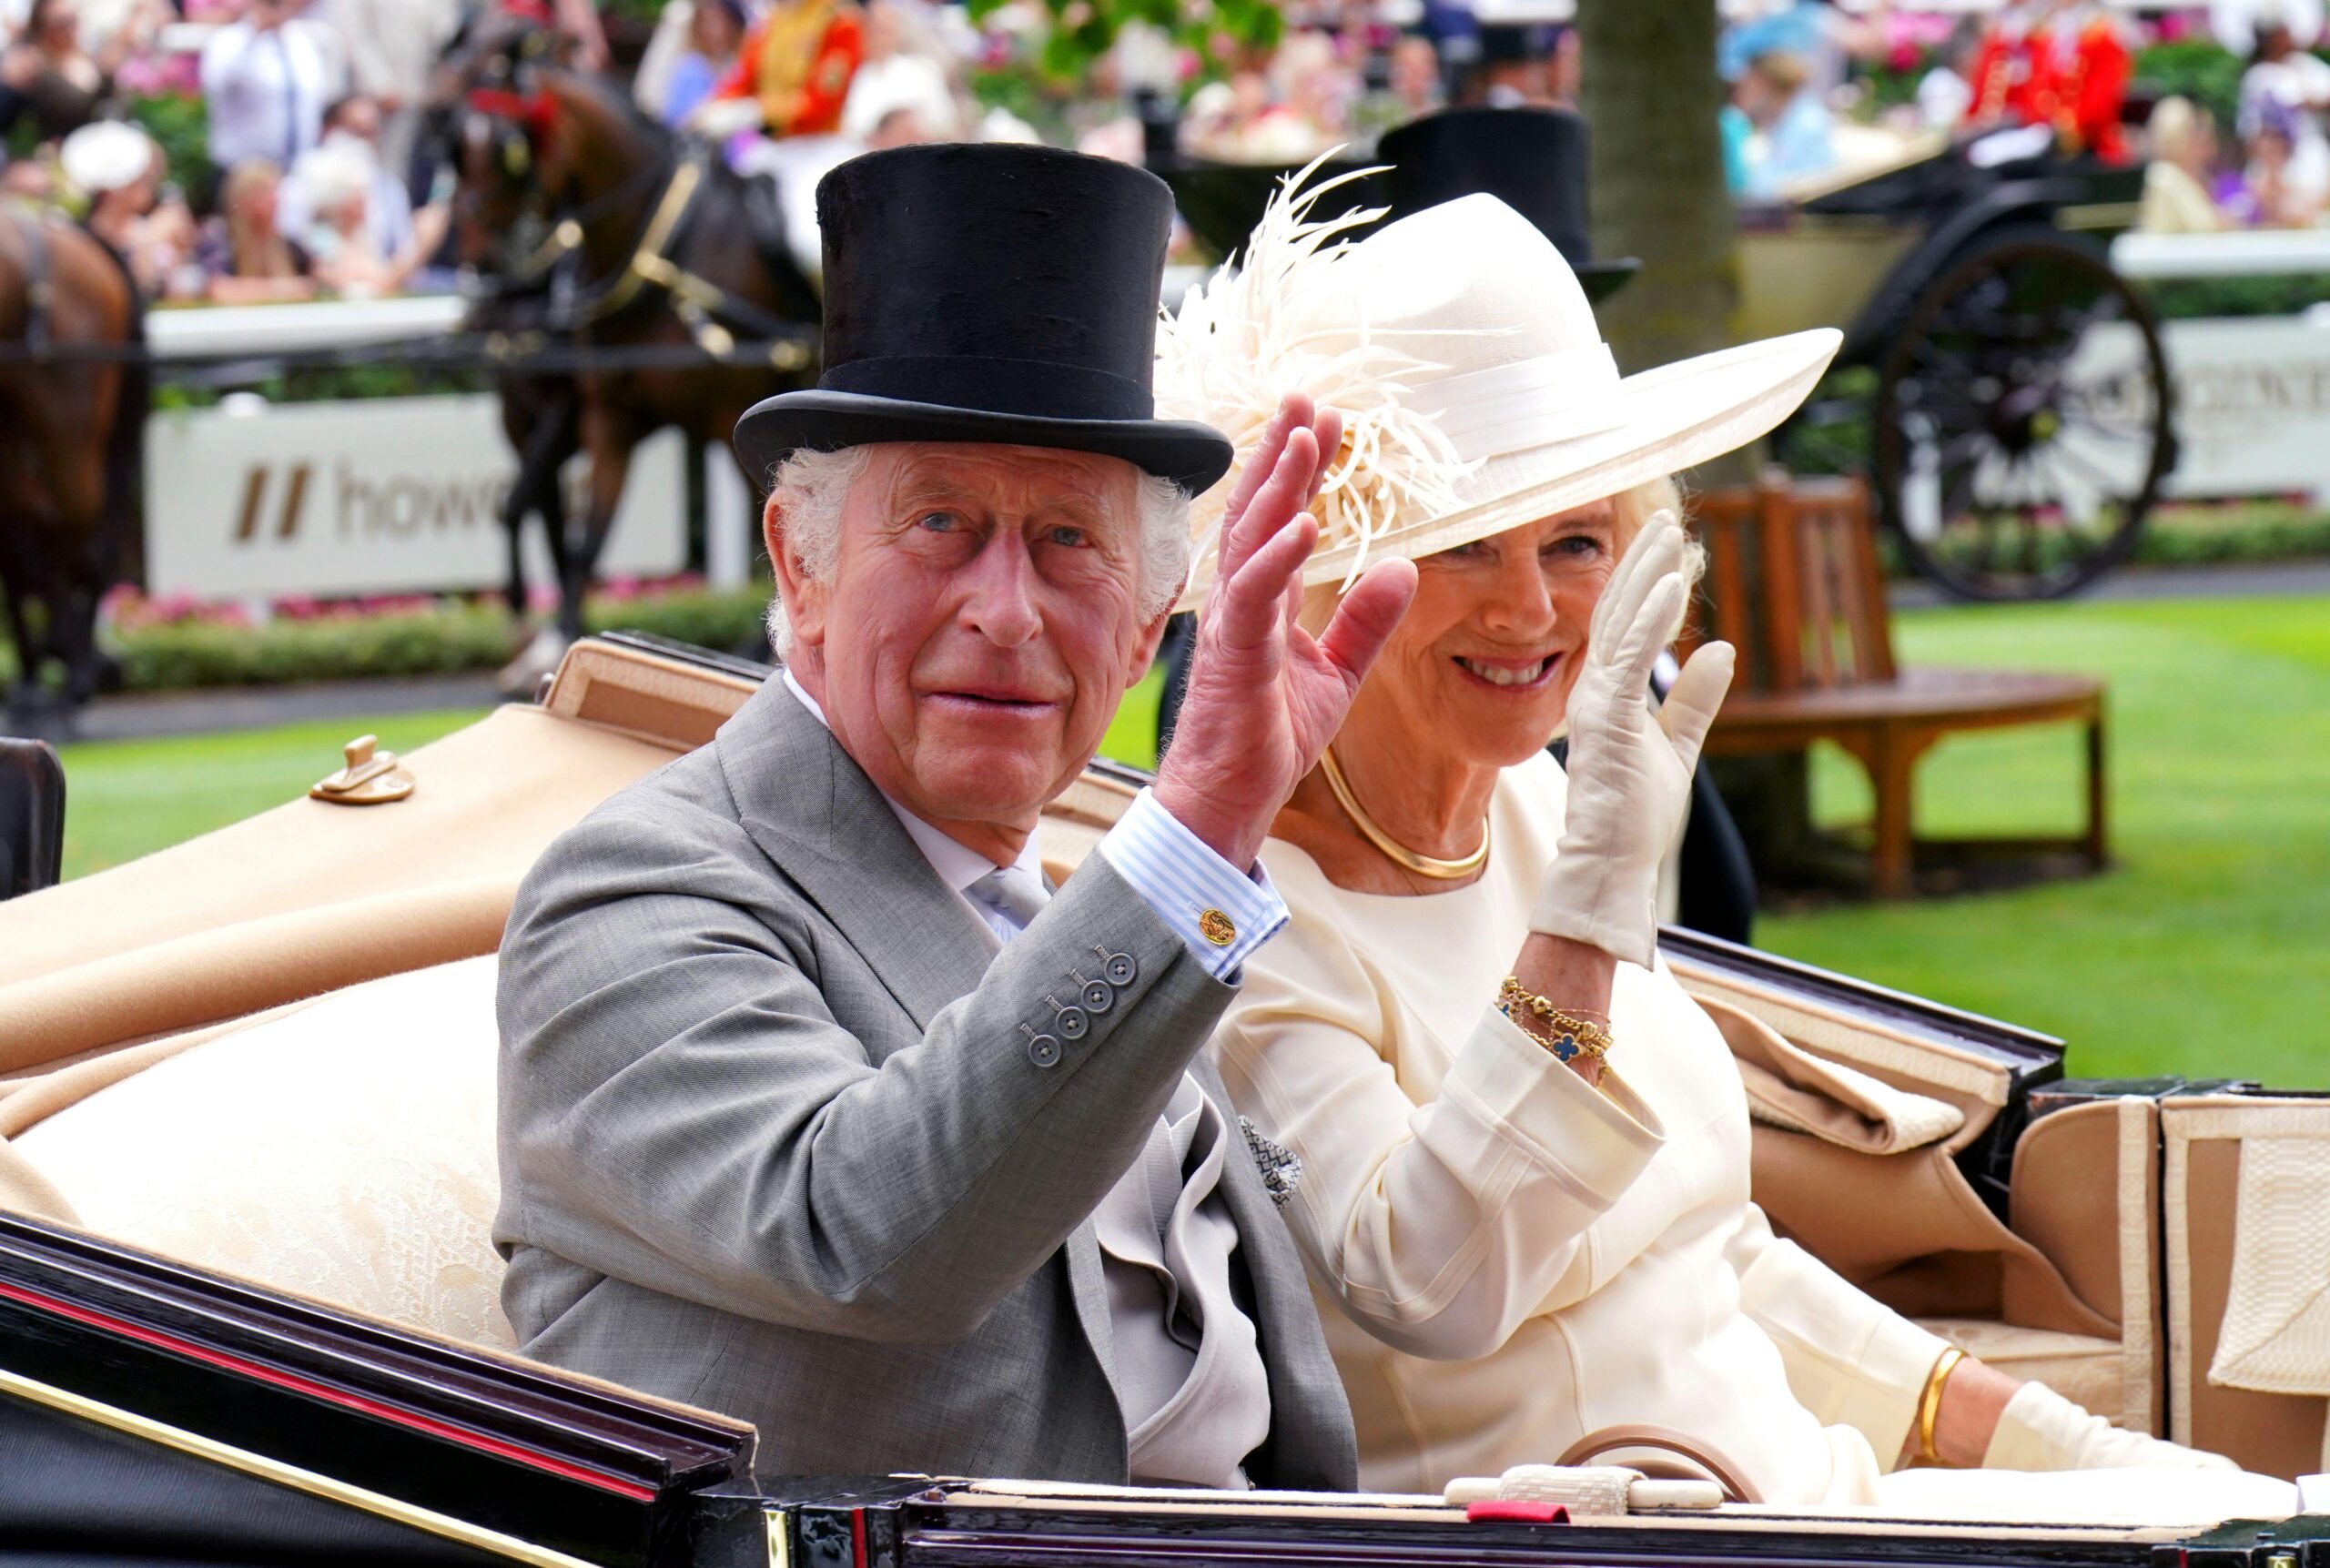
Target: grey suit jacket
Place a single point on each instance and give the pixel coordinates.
(772, 1140)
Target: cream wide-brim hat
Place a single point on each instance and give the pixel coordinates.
(1476, 391)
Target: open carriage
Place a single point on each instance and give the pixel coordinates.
(248, 1305)
(2022, 419)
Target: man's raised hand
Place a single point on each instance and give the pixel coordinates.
(1264, 696)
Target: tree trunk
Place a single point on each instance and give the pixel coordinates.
(1650, 94)
(1652, 100)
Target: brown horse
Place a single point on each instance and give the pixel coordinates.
(671, 252)
(71, 417)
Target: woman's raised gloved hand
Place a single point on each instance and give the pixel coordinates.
(1629, 765)
(2041, 1430)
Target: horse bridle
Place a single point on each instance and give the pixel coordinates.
(700, 303)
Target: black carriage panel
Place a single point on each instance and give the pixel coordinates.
(1951, 232)
(308, 1401)
(32, 816)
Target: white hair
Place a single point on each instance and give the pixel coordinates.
(810, 489)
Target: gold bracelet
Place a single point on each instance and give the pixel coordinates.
(1930, 1401)
(1565, 1034)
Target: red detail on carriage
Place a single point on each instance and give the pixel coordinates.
(857, 1535)
(1515, 1511)
(413, 1419)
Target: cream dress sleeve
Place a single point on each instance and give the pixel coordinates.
(1439, 1227)
(1851, 1361)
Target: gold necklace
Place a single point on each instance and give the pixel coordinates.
(1399, 853)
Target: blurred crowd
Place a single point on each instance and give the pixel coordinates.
(2269, 169)
(309, 113)
(2039, 74)
(316, 174)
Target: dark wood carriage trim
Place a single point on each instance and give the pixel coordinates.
(907, 1523)
(571, 1465)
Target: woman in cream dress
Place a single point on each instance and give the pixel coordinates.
(1514, 1253)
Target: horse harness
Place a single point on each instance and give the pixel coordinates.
(713, 315)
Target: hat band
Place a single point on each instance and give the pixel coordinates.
(1032, 388)
(1509, 408)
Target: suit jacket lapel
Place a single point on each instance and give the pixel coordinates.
(1312, 1443)
(1091, 1286)
(815, 813)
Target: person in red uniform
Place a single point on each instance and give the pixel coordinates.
(2062, 65)
(797, 64)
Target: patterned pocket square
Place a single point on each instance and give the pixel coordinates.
(1282, 1168)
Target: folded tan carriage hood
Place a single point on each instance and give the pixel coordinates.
(311, 896)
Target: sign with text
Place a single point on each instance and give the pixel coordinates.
(385, 495)
(2253, 406)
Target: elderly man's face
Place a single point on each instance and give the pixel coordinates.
(981, 623)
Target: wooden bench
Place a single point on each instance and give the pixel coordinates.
(1793, 582)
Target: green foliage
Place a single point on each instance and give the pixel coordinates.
(2199, 69)
(2192, 298)
(179, 124)
(333, 384)
(189, 653)
(444, 638)
(1073, 35)
(724, 619)
(643, 11)
(2249, 533)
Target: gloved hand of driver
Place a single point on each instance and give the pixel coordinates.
(2041, 1430)
(1629, 765)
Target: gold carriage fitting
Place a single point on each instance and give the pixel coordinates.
(247, 1158)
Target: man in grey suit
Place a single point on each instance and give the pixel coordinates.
(818, 1106)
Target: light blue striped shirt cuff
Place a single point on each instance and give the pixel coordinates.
(1182, 878)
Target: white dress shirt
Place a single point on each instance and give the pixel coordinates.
(267, 91)
(1186, 1363)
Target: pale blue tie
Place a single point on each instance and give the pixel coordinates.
(1012, 892)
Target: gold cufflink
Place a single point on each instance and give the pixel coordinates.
(1216, 927)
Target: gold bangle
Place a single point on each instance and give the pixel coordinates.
(1930, 1401)
(1565, 1034)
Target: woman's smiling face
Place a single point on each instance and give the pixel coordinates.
(1483, 663)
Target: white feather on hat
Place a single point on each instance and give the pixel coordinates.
(1245, 340)
(1476, 388)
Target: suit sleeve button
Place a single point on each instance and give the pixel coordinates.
(1044, 1051)
(1072, 1024)
(1098, 997)
(1118, 968)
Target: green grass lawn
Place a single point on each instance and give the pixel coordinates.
(2206, 950)
(128, 798)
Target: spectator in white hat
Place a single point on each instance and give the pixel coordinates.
(118, 168)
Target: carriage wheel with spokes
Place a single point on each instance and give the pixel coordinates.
(2023, 421)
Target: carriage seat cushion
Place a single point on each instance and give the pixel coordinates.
(342, 1151)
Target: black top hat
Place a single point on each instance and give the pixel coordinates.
(1531, 159)
(990, 293)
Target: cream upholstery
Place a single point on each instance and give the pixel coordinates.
(341, 1149)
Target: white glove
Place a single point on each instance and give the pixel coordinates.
(2041, 1430)
(1629, 770)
